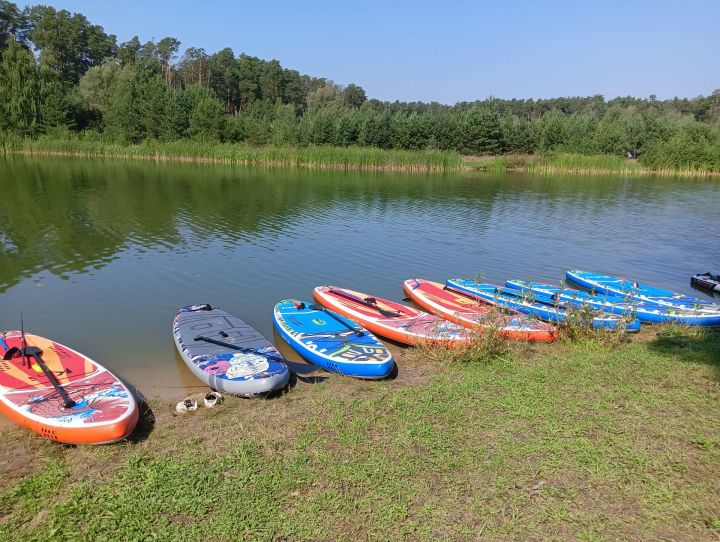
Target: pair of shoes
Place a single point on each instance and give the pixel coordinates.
(211, 399)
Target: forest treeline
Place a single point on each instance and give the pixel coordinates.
(63, 77)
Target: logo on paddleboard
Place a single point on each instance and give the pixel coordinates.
(244, 365)
(319, 322)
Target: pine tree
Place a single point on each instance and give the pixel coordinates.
(124, 115)
(55, 108)
(154, 97)
(207, 119)
(176, 115)
(481, 131)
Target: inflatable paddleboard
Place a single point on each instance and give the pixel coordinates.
(226, 354)
(609, 285)
(514, 299)
(643, 311)
(81, 402)
(331, 341)
(392, 320)
(474, 314)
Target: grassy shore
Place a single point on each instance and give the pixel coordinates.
(578, 440)
(321, 157)
(343, 158)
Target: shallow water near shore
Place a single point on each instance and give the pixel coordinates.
(99, 254)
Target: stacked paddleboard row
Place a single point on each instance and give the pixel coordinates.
(613, 303)
(646, 302)
(66, 396)
(338, 331)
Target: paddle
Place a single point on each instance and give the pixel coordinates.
(240, 348)
(358, 331)
(36, 353)
(368, 302)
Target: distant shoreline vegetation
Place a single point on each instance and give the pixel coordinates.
(340, 158)
(67, 87)
(319, 157)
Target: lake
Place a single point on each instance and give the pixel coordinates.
(99, 254)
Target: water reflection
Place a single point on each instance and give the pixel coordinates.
(99, 254)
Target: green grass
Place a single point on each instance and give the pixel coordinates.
(575, 440)
(359, 158)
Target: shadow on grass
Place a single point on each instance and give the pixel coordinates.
(146, 423)
(689, 344)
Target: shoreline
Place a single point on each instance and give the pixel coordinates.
(358, 159)
(234, 161)
(550, 430)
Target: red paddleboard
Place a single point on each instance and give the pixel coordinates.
(392, 320)
(471, 313)
(104, 410)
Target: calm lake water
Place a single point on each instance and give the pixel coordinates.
(99, 254)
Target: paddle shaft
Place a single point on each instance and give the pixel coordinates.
(35, 353)
(240, 348)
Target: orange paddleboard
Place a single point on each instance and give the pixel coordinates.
(471, 313)
(392, 320)
(104, 410)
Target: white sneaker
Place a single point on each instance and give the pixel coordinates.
(188, 405)
(212, 399)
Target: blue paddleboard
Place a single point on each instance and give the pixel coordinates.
(513, 299)
(644, 311)
(609, 285)
(331, 341)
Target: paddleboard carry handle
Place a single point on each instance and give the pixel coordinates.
(196, 308)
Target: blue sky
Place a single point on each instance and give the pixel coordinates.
(450, 51)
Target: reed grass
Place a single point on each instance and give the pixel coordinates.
(92, 144)
(320, 157)
(578, 164)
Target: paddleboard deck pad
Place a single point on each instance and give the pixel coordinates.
(104, 409)
(390, 319)
(331, 341)
(227, 354)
